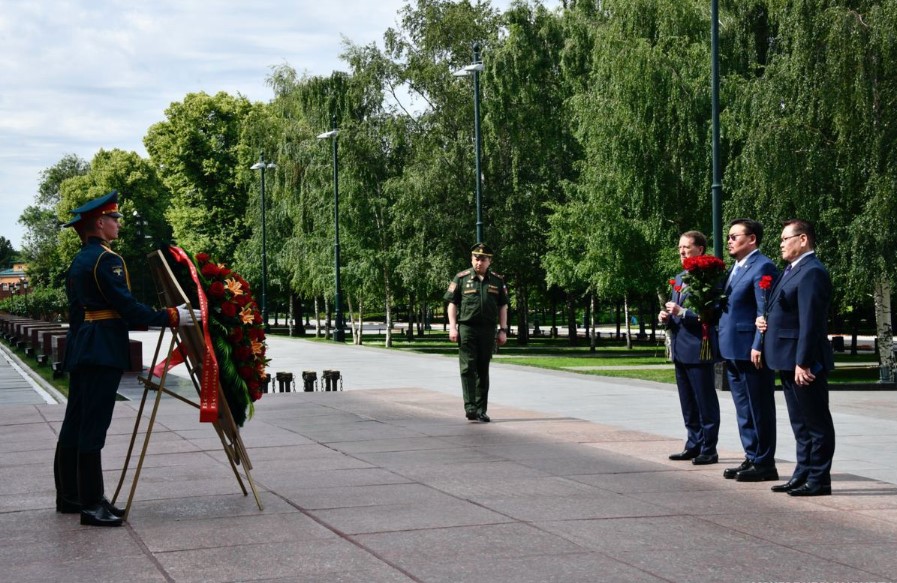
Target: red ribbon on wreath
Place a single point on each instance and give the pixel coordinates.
(208, 393)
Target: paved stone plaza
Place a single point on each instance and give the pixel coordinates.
(386, 481)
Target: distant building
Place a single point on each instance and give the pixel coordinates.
(14, 281)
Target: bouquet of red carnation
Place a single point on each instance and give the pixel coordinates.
(238, 335)
(765, 284)
(705, 275)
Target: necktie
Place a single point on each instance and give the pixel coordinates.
(732, 274)
(787, 270)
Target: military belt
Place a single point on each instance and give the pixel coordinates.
(96, 315)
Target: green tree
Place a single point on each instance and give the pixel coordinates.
(196, 151)
(143, 200)
(8, 254)
(643, 122)
(41, 222)
(816, 133)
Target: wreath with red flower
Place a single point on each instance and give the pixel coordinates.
(238, 335)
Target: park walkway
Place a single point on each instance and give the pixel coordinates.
(386, 481)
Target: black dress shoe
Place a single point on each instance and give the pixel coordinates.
(757, 473)
(705, 459)
(685, 454)
(471, 416)
(114, 510)
(729, 473)
(811, 490)
(483, 417)
(99, 515)
(789, 485)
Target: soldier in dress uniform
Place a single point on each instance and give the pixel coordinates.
(101, 309)
(478, 300)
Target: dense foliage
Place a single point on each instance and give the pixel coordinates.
(595, 149)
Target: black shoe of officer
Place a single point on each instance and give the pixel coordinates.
(483, 418)
(471, 415)
(99, 515)
(114, 510)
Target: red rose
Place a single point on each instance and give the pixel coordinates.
(225, 271)
(242, 300)
(216, 289)
(255, 395)
(256, 334)
(257, 318)
(202, 258)
(236, 335)
(229, 309)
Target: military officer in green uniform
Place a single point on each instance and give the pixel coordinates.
(478, 300)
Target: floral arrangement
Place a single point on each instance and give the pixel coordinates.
(238, 335)
(705, 275)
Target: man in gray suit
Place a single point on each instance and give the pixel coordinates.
(752, 385)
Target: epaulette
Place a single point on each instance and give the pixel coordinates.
(501, 277)
(464, 273)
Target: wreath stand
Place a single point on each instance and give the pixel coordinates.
(186, 343)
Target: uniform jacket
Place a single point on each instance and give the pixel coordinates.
(478, 301)
(796, 323)
(686, 331)
(737, 329)
(98, 280)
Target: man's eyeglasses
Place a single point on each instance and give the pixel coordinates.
(791, 237)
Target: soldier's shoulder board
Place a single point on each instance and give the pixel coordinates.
(464, 273)
(499, 276)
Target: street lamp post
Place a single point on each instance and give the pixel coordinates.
(262, 165)
(716, 189)
(474, 70)
(339, 335)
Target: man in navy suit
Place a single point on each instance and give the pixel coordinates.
(752, 385)
(797, 346)
(694, 377)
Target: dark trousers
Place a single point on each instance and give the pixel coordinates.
(89, 411)
(700, 406)
(476, 344)
(814, 431)
(753, 392)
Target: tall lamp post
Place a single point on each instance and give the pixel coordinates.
(716, 189)
(339, 335)
(474, 70)
(263, 165)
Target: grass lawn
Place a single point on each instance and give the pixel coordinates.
(60, 384)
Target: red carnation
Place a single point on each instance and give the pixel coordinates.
(202, 258)
(216, 289)
(765, 282)
(672, 282)
(225, 271)
(229, 309)
(243, 353)
(210, 270)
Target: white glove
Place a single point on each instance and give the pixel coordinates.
(186, 315)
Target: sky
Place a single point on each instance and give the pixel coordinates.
(77, 76)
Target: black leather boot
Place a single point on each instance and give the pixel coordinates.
(94, 511)
(65, 473)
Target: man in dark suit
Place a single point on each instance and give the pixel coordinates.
(797, 346)
(101, 308)
(694, 377)
(752, 385)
